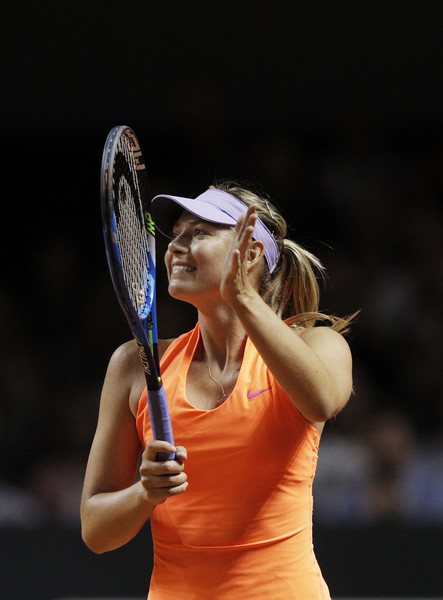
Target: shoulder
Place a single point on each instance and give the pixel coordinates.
(125, 372)
(326, 342)
(125, 358)
(324, 334)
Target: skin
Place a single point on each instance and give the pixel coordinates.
(217, 269)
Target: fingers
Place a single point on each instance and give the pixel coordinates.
(246, 222)
(235, 275)
(163, 479)
(158, 495)
(180, 454)
(156, 446)
(245, 229)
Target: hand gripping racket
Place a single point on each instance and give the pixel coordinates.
(129, 234)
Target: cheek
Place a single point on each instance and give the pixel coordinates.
(167, 258)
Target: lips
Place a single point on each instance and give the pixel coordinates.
(180, 268)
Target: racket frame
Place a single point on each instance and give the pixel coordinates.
(143, 326)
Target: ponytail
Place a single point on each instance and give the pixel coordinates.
(292, 290)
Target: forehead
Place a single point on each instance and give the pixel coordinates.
(188, 218)
(185, 216)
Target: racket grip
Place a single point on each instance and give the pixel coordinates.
(160, 420)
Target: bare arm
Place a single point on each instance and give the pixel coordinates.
(314, 366)
(114, 507)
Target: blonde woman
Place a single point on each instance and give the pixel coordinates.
(249, 390)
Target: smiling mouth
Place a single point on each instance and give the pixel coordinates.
(181, 268)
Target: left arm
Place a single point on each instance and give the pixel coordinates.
(313, 366)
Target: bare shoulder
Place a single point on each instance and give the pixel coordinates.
(332, 349)
(124, 378)
(327, 342)
(125, 371)
(125, 359)
(322, 334)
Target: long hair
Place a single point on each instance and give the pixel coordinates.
(292, 290)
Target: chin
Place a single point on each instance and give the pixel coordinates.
(178, 292)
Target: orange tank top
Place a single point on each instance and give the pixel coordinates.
(243, 528)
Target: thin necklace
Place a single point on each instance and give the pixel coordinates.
(223, 398)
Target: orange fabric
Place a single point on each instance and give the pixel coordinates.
(243, 528)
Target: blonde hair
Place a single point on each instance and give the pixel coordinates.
(292, 290)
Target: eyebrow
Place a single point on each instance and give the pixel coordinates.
(196, 221)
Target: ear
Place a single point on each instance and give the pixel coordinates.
(255, 252)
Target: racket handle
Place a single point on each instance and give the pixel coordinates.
(160, 420)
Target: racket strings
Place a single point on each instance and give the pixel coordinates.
(131, 235)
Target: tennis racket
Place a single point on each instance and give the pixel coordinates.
(129, 235)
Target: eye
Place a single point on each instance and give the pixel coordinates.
(200, 232)
(196, 231)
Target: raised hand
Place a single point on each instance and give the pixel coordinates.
(235, 281)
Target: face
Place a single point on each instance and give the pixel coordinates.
(195, 258)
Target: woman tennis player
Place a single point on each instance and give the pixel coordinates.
(249, 391)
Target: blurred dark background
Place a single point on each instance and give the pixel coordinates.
(334, 107)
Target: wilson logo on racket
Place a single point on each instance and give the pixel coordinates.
(143, 357)
(149, 223)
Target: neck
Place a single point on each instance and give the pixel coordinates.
(222, 339)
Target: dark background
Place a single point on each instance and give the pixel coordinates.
(335, 109)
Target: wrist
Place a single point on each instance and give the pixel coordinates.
(244, 300)
(143, 498)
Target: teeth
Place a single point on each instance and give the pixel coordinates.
(186, 268)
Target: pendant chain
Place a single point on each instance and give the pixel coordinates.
(223, 398)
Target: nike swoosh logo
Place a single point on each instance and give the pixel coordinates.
(254, 394)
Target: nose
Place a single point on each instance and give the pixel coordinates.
(177, 245)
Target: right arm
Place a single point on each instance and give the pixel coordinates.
(113, 507)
